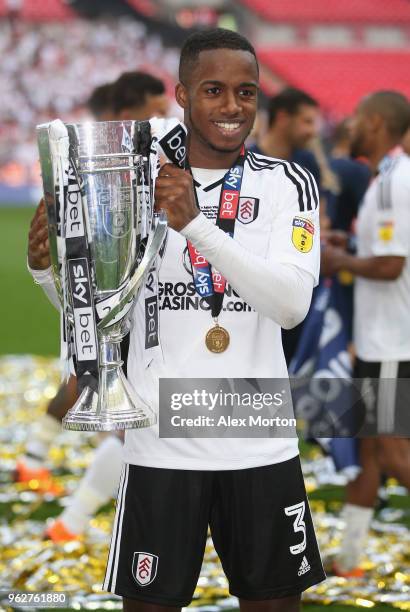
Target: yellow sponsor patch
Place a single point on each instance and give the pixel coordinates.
(302, 234)
(386, 231)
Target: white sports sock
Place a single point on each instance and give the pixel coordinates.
(98, 485)
(357, 525)
(41, 436)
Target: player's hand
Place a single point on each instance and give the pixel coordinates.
(174, 193)
(333, 259)
(337, 238)
(38, 247)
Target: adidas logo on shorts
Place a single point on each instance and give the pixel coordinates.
(304, 567)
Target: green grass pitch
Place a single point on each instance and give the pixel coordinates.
(29, 323)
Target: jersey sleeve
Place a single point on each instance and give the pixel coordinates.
(391, 227)
(295, 237)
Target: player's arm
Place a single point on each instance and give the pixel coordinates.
(390, 241)
(388, 267)
(279, 285)
(38, 254)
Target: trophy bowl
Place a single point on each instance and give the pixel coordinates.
(104, 238)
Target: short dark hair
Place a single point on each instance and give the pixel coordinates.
(131, 89)
(100, 100)
(289, 100)
(209, 40)
(394, 107)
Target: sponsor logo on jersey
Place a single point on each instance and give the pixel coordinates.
(248, 209)
(144, 568)
(386, 231)
(302, 234)
(183, 296)
(304, 567)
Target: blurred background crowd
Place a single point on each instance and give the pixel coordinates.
(55, 52)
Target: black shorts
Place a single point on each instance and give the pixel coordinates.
(384, 389)
(260, 523)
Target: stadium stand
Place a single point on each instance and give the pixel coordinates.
(339, 78)
(33, 10)
(325, 11)
(52, 56)
(144, 7)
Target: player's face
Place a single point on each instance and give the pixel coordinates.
(303, 126)
(220, 100)
(361, 134)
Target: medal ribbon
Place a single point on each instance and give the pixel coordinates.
(209, 283)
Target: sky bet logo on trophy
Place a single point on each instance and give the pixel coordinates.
(104, 242)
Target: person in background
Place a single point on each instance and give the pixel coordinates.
(354, 176)
(293, 117)
(99, 103)
(135, 95)
(381, 310)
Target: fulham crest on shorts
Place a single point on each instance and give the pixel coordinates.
(144, 568)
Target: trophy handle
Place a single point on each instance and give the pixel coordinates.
(151, 251)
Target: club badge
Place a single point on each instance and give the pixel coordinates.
(247, 210)
(144, 568)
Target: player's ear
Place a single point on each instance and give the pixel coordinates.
(181, 95)
(375, 121)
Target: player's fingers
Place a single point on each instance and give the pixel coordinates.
(38, 232)
(168, 170)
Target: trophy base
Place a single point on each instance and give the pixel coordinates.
(114, 408)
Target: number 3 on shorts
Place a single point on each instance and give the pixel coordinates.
(298, 510)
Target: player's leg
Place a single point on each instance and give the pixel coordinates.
(393, 410)
(97, 487)
(286, 604)
(159, 536)
(263, 532)
(393, 455)
(45, 428)
(361, 497)
(41, 436)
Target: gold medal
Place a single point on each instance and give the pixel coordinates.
(217, 339)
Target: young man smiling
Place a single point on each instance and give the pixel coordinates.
(266, 246)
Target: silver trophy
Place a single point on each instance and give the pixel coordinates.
(104, 237)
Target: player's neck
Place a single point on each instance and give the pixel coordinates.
(380, 150)
(201, 155)
(274, 145)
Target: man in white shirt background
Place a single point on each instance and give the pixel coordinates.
(381, 308)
